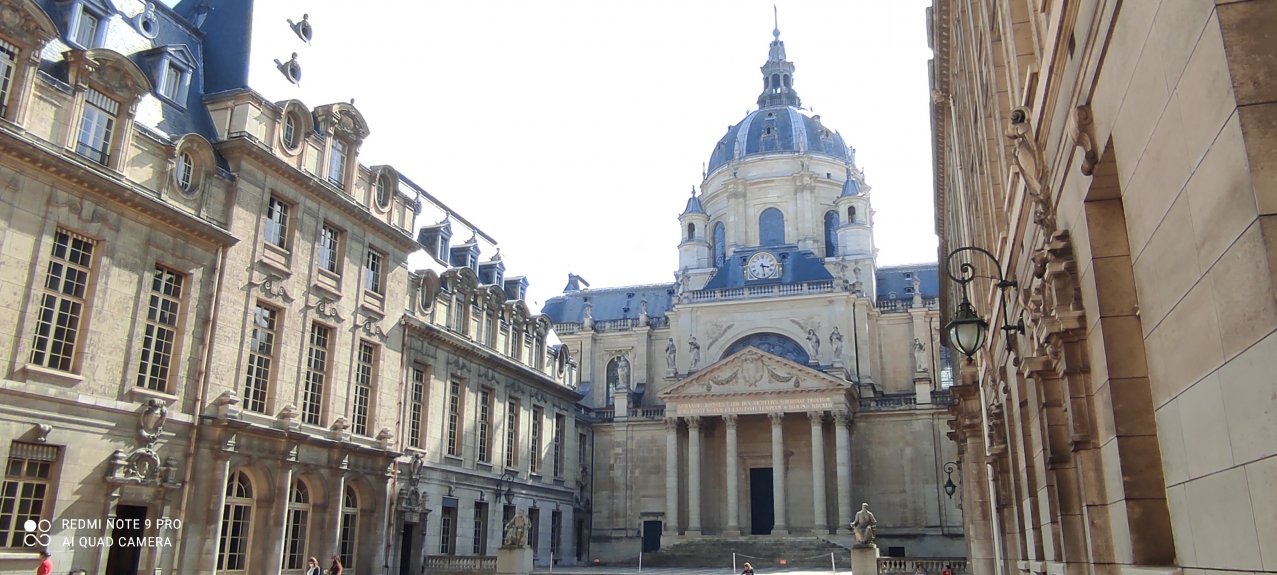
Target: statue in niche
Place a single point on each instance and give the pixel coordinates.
(516, 531)
(814, 340)
(622, 373)
(643, 319)
(835, 342)
(671, 352)
(863, 525)
(694, 349)
(587, 315)
(917, 291)
(920, 355)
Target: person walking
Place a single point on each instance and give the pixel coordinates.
(748, 570)
(312, 567)
(46, 563)
(948, 570)
(918, 570)
(335, 569)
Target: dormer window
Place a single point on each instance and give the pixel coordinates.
(97, 125)
(185, 171)
(337, 163)
(174, 83)
(385, 185)
(86, 23)
(86, 29)
(290, 131)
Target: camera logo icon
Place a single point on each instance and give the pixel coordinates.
(37, 533)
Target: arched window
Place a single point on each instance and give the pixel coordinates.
(789, 82)
(618, 376)
(851, 214)
(831, 234)
(297, 532)
(691, 232)
(349, 528)
(720, 244)
(237, 524)
(775, 80)
(771, 227)
(773, 343)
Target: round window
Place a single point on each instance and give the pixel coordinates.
(383, 190)
(185, 172)
(290, 136)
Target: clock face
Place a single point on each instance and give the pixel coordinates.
(762, 265)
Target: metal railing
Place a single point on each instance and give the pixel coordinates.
(776, 290)
(931, 565)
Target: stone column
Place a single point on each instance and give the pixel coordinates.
(818, 469)
(778, 475)
(283, 493)
(338, 486)
(671, 475)
(693, 476)
(733, 511)
(842, 457)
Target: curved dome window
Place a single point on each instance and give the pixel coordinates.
(291, 134)
(771, 227)
(831, 234)
(773, 343)
(185, 172)
(384, 188)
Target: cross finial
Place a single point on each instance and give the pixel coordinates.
(775, 22)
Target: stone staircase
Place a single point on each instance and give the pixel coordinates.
(763, 552)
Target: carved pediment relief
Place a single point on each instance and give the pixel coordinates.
(754, 372)
(26, 21)
(109, 71)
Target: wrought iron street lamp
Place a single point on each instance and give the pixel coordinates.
(949, 487)
(967, 330)
(505, 487)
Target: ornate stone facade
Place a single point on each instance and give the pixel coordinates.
(1115, 157)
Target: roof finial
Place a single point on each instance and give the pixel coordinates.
(693, 191)
(775, 22)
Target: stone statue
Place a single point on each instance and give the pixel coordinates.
(671, 351)
(695, 349)
(684, 281)
(917, 291)
(835, 342)
(587, 316)
(814, 340)
(920, 355)
(643, 319)
(516, 531)
(863, 525)
(622, 373)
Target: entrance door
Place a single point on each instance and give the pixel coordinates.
(580, 540)
(407, 548)
(761, 514)
(125, 534)
(651, 536)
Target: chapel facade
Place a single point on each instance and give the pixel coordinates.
(783, 377)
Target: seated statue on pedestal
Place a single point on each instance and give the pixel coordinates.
(863, 525)
(516, 531)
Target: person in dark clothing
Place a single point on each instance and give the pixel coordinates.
(748, 570)
(336, 566)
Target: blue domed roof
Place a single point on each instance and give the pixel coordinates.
(777, 130)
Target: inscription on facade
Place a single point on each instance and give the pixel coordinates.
(769, 405)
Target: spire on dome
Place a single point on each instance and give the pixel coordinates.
(778, 73)
(693, 205)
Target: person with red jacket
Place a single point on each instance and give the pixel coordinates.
(46, 563)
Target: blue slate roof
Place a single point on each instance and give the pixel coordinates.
(797, 266)
(610, 303)
(777, 130)
(895, 279)
(228, 27)
(851, 187)
(693, 206)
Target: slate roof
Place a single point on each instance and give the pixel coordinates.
(790, 131)
(797, 266)
(892, 279)
(610, 303)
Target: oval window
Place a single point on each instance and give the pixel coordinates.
(185, 172)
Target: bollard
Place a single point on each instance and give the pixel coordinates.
(733, 563)
(833, 567)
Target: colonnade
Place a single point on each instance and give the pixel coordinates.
(695, 456)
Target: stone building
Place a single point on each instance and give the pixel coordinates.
(1117, 160)
(784, 377)
(229, 337)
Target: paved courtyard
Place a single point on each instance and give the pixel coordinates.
(621, 570)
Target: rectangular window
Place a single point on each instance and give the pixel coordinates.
(582, 449)
(160, 338)
(337, 163)
(66, 287)
(372, 272)
(538, 414)
(172, 86)
(364, 379)
(512, 434)
(556, 531)
(454, 418)
(296, 530)
(87, 29)
(8, 67)
(277, 222)
(485, 425)
(261, 357)
(446, 524)
(25, 493)
(316, 374)
(480, 528)
(348, 535)
(329, 244)
(97, 123)
(416, 406)
(534, 529)
(560, 427)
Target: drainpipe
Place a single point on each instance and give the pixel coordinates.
(219, 272)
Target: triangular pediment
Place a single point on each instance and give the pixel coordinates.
(752, 371)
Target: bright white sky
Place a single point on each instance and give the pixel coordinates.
(572, 131)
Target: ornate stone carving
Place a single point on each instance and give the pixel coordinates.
(730, 420)
(415, 469)
(671, 356)
(151, 422)
(273, 286)
(1030, 165)
(25, 25)
(326, 308)
(516, 531)
(41, 432)
(920, 358)
(864, 525)
(1080, 126)
(371, 326)
(694, 349)
(227, 404)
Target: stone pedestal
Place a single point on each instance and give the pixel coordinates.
(922, 387)
(518, 560)
(864, 559)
